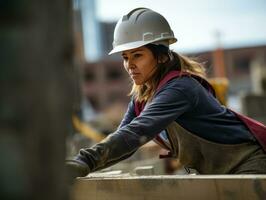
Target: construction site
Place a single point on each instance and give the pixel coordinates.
(61, 92)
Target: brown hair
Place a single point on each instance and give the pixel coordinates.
(170, 60)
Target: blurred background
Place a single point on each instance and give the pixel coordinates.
(60, 91)
(229, 37)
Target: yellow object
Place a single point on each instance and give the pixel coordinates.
(87, 130)
(220, 85)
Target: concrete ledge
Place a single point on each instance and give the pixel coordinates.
(198, 187)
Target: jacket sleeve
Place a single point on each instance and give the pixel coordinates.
(129, 115)
(167, 105)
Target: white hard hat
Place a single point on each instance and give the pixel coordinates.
(139, 27)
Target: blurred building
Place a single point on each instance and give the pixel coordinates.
(107, 31)
(85, 19)
(78, 33)
(238, 65)
(106, 81)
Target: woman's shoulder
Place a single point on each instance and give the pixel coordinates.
(182, 83)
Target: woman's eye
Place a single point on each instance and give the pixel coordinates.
(137, 55)
(125, 58)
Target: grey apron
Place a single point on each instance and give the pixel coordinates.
(215, 158)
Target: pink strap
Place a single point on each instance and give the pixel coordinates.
(256, 128)
(175, 73)
(168, 77)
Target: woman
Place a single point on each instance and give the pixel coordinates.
(174, 105)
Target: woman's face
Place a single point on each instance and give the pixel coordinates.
(140, 64)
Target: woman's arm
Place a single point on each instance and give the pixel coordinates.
(129, 115)
(166, 106)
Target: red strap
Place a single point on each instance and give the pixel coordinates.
(175, 73)
(138, 106)
(255, 127)
(168, 155)
(168, 77)
(161, 141)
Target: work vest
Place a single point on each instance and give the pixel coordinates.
(255, 127)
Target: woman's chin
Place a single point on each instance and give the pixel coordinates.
(137, 82)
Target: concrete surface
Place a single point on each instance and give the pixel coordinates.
(185, 187)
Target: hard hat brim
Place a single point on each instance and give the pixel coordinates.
(127, 46)
(133, 45)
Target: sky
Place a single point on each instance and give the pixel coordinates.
(196, 23)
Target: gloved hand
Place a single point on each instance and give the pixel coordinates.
(76, 169)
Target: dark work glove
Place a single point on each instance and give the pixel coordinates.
(76, 169)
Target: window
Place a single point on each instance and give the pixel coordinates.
(114, 74)
(89, 76)
(242, 64)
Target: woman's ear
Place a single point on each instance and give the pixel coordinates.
(162, 59)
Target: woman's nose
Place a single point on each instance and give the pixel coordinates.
(130, 64)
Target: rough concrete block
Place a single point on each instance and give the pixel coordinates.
(184, 187)
(144, 170)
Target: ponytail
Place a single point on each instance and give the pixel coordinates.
(189, 65)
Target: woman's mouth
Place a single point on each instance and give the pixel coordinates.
(134, 74)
